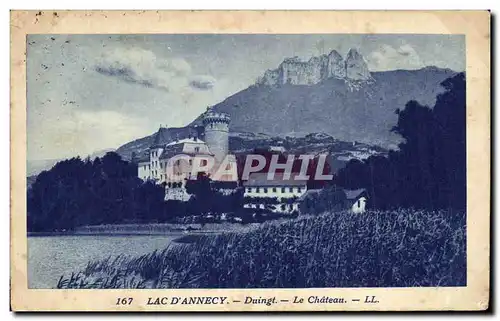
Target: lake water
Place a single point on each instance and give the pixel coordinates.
(49, 257)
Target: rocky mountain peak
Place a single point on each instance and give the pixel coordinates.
(295, 71)
(336, 65)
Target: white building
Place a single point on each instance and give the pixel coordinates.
(278, 195)
(175, 162)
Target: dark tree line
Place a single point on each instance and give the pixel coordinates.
(429, 169)
(78, 192)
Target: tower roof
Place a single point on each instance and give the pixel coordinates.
(212, 116)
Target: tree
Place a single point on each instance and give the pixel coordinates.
(104, 191)
(329, 199)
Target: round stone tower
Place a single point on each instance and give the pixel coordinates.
(217, 133)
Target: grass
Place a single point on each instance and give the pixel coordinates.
(402, 248)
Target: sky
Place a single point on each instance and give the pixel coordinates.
(87, 93)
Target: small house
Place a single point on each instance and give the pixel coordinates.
(356, 200)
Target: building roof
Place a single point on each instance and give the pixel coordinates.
(177, 148)
(260, 179)
(142, 157)
(353, 194)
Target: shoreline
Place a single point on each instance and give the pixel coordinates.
(167, 229)
(109, 233)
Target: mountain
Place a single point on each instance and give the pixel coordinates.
(326, 94)
(353, 110)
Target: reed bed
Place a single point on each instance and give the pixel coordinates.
(400, 248)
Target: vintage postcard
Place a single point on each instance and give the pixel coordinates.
(250, 161)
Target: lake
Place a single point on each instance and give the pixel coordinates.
(49, 257)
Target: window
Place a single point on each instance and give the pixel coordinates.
(299, 189)
(249, 190)
(191, 161)
(274, 189)
(196, 149)
(257, 190)
(283, 190)
(204, 162)
(265, 190)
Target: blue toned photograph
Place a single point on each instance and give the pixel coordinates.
(246, 161)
